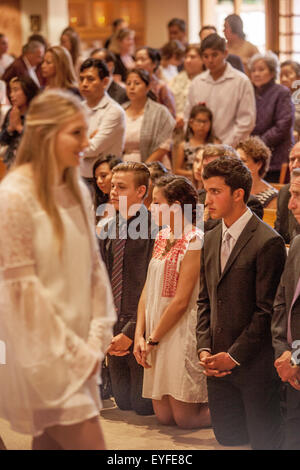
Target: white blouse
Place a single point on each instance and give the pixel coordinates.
(56, 310)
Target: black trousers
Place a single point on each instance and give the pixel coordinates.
(246, 408)
(292, 420)
(127, 383)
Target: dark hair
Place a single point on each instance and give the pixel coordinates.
(295, 66)
(257, 150)
(116, 22)
(112, 161)
(179, 188)
(173, 48)
(109, 56)
(153, 54)
(201, 108)
(213, 41)
(178, 22)
(207, 26)
(157, 169)
(98, 64)
(29, 87)
(193, 47)
(235, 173)
(145, 77)
(236, 25)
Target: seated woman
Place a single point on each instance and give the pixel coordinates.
(198, 134)
(167, 311)
(289, 74)
(275, 111)
(102, 175)
(256, 155)
(149, 125)
(122, 45)
(22, 90)
(58, 70)
(148, 59)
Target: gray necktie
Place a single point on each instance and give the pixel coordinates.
(225, 249)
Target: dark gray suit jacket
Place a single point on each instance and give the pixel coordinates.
(234, 308)
(285, 223)
(283, 301)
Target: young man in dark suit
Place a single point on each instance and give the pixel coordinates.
(127, 265)
(242, 261)
(286, 326)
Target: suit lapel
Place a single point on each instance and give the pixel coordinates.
(243, 239)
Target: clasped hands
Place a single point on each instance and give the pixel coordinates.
(141, 350)
(119, 345)
(216, 365)
(286, 371)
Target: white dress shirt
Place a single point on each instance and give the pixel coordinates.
(237, 227)
(231, 100)
(108, 118)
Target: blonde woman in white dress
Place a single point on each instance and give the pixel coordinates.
(56, 307)
(165, 338)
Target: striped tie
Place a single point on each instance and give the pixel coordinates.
(117, 269)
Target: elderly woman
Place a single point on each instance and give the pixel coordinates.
(275, 111)
(256, 156)
(290, 77)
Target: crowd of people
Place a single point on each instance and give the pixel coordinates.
(150, 276)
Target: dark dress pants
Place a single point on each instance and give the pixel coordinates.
(292, 421)
(127, 383)
(245, 407)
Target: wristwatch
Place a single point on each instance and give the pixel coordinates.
(151, 342)
(294, 363)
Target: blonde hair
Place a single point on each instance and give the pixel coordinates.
(47, 114)
(118, 37)
(65, 76)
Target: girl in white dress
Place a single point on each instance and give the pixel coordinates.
(56, 306)
(167, 311)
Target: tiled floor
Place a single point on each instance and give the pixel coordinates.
(126, 430)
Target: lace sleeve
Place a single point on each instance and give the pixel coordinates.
(47, 358)
(103, 310)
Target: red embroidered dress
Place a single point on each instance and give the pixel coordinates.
(175, 366)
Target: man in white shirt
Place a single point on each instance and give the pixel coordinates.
(226, 91)
(242, 261)
(106, 127)
(5, 59)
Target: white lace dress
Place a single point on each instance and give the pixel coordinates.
(56, 310)
(175, 367)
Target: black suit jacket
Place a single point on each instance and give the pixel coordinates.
(283, 301)
(285, 223)
(234, 308)
(117, 93)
